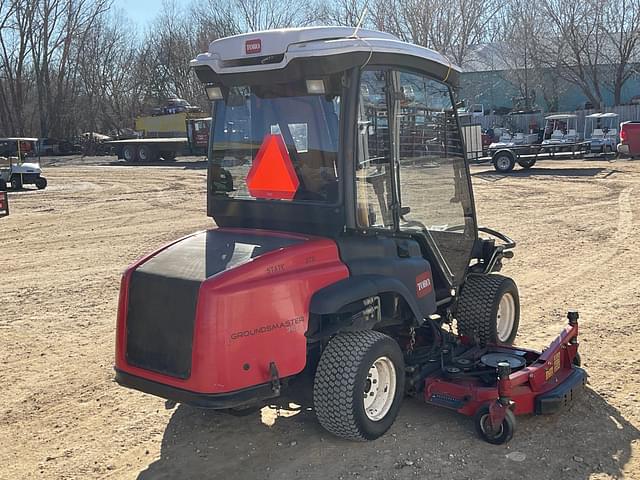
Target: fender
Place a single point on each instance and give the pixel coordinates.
(332, 298)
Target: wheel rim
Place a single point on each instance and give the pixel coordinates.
(128, 154)
(379, 389)
(506, 317)
(142, 153)
(487, 431)
(503, 163)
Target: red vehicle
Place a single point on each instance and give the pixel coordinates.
(347, 247)
(4, 203)
(629, 139)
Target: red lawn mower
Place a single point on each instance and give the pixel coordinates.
(346, 253)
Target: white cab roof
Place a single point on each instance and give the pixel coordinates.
(305, 42)
(560, 116)
(602, 115)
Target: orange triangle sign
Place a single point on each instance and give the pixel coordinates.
(272, 174)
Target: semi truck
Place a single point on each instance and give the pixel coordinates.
(175, 129)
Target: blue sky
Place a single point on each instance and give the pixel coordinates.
(140, 11)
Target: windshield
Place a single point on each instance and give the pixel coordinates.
(277, 142)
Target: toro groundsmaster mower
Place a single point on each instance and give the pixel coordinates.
(346, 250)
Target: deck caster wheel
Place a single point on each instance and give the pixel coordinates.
(359, 385)
(497, 436)
(577, 360)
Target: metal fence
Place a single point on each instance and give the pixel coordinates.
(525, 122)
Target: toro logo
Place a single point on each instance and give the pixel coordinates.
(253, 46)
(423, 285)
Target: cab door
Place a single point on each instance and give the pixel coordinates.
(432, 178)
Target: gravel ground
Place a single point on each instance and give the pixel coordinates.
(576, 223)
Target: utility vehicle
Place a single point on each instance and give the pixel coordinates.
(18, 165)
(347, 250)
(601, 130)
(560, 130)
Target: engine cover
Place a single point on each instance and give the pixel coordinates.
(210, 312)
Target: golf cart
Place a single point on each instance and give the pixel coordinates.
(18, 166)
(601, 129)
(560, 130)
(347, 259)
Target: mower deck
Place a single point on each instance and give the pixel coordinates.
(504, 378)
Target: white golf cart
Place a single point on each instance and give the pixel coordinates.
(601, 130)
(561, 130)
(17, 166)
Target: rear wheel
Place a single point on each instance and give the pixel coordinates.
(41, 183)
(168, 156)
(16, 181)
(145, 153)
(488, 310)
(130, 153)
(359, 385)
(527, 163)
(503, 162)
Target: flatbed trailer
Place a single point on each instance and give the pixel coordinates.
(504, 159)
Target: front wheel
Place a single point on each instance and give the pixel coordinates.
(488, 309)
(129, 153)
(41, 183)
(359, 385)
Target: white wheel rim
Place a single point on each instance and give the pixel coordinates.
(503, 163)
(142, 153)
(127, 154)
(379, 389)
(506, 317)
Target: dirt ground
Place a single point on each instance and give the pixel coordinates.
(577, 224)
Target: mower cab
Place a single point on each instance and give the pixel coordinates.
(346, 236)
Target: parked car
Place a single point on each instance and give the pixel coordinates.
(629, 139)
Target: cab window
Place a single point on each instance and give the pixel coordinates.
(374, 187)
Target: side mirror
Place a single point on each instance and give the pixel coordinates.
(405, 211)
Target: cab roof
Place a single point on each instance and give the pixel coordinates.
(274, 49)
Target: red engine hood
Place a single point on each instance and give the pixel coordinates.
(250, 307)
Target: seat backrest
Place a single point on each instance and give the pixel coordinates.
(612, 132)
(572, 133)
(597, 132)
(557, 134)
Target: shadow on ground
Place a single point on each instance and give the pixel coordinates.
(492, 175)
(590, 437)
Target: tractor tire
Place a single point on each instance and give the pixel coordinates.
(488, 309)
(41, 183)
(504, 162)
(359, 385)
(16, 181)
(527, 164)
(146, 154)
(130, 153)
